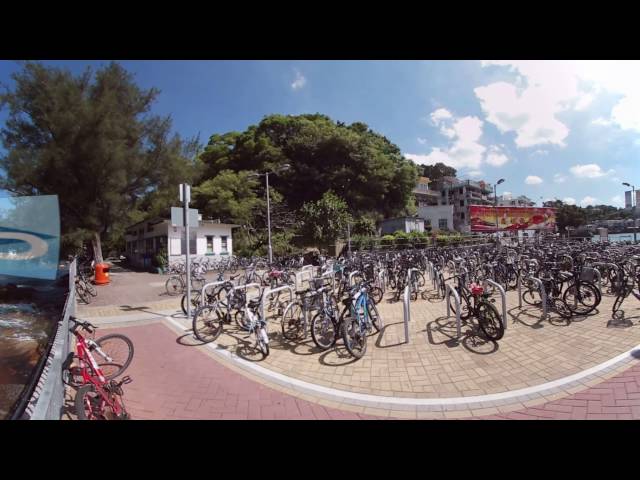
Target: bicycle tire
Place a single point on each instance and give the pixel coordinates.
(465, 306)
(376, 295)
(490, 321)
(262, 345)
(90, 288)
(207, 323)
(561, 308)
(532, 297)
(324, 330)
(195, 301)
(376, 319)
(583, 300)
(119, 367)
(87, 395)
(82, 293)
(355, 341)
(292, 323)
(174, 286)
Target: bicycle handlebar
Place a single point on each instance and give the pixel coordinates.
(89, 327)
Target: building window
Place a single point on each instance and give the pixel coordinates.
(461, 215)
(209, 245)
(427, 222)
(442, 224)
(223, 248)
(462, 203)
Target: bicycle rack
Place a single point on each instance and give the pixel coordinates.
(407, 312)
(351, 276)
(246, 287)
(450, 290)
(289, 288)
(383, 283)
(503, 295)
(543, 294)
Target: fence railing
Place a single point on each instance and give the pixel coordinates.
(47, 399)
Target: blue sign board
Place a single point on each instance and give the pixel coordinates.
(30, 236)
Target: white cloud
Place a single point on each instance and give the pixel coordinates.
(299, 82)
(507, 194)
(559, 178)
(529, 104)
(464, 152)
(495, 157)
(439, 115)
(422, 141)
(590, 170)
(533, 180)
(569, 200)
(588, 201)
(475, 173)
(617, 200)
(541, 152)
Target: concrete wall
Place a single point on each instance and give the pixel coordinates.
(433, 215)
(404, 224)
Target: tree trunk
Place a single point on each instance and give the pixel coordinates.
(97, 248)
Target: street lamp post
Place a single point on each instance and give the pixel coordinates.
(284, 167)
(633, 206)
(495, 203)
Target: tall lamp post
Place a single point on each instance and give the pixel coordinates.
(284, 167)
(495, 203)
(633, 206)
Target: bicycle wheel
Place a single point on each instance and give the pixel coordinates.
(561, 308)
(82, 293)
(582, 300)
(174, 286)
(195, 301)
(376, 319)
(263, 341)
(90, 405)
(376, 294)
(207, 323)
(197, 284)
(119, 349)
(354, 337)
(293, 322)
(490, 321)
(465, 307)
(324, 330)
(532, 297)
(90, 288)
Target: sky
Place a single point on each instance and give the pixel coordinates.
(567, 130)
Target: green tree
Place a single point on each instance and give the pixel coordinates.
(326, 219)
(437, 171)
(91, 140)
(360, 166)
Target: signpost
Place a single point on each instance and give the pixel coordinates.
(185, 197)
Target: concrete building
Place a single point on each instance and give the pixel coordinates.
(145, 239)
(461, 194)
(511, 201)
(437, 217)
(405, 224)
(423, 194)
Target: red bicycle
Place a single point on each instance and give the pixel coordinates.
(98, 363)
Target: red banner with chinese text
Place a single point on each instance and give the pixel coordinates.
(484, 219)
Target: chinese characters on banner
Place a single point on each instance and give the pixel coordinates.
(483, 219)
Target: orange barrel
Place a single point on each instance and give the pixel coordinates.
(102, 274)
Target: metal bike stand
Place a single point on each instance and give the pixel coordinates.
(409, 272)
(407, 312)
(383, 284)
(503, 295)
(288, 288)
(456, 298)
(207, 285)
(351, 276)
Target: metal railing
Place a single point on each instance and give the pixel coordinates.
(503, 296)
(407, 312)
(47, 400)
(456, 298)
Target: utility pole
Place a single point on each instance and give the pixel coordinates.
(185, 196)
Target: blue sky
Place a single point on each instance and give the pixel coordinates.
(552, 129)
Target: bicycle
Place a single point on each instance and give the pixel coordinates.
(99, 396)
(256, 325)
(482, 309)
(359, 318)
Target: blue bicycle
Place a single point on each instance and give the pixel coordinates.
(359, 318)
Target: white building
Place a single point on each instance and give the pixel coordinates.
(145, 239)
(438, 217)
(405, 224)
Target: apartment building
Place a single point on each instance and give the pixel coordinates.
(461, 194)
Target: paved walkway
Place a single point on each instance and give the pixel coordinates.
(171, 381)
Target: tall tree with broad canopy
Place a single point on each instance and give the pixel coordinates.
(91, 140)
(360, 166)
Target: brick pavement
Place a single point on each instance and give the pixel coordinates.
(171, 381)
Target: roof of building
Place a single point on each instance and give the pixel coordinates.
(156, 220)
